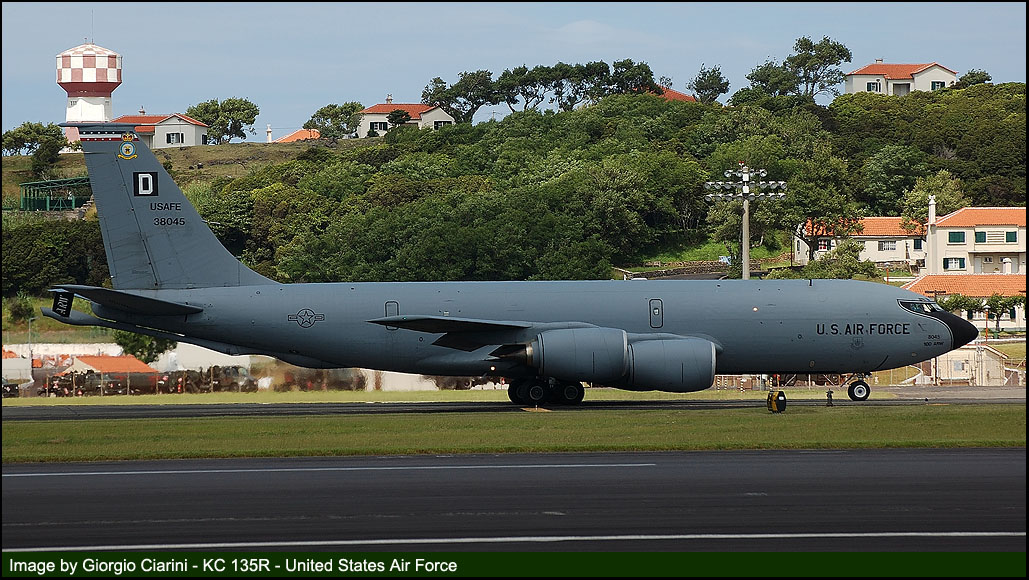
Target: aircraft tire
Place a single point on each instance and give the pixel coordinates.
(522, 393)
(571, 394)
(512, 393)
(537, 394)
(858, 391)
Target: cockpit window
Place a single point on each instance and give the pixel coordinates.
(921, 307)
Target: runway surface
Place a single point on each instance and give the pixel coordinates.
(854, 500)
(912, 396)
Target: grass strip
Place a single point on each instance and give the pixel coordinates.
(557, 431)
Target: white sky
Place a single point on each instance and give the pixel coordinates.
(291, 59)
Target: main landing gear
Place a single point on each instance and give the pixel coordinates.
(541, 391)
(858, 390)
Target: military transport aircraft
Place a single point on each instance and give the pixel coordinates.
(173, 279)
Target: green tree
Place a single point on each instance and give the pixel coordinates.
(29, 137)
(818, 201)
(998, 305)
(889, 175)
(949, 198)
(816, 65)
(709, 84)
(972, 77)
(774, 79)
(42, 142)
(525, 85)
(574, 84)
(465, 97)
(233, 117)
(632, 77)
(958, 303)
(145, 348)
(20, 308)
(398, 117)
(334, 122)
(841, 263)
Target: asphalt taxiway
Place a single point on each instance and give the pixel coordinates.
(860, 500)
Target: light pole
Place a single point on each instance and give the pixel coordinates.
(30, 340)
(743, 191)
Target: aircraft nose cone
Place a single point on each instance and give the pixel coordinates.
(962, 330)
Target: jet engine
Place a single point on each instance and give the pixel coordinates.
(605, 356)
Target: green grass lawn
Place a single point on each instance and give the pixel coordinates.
(560, 430)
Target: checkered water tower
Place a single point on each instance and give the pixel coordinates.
(89, 74)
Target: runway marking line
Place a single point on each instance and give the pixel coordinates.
(515, 539)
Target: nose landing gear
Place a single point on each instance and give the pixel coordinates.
(858, 390)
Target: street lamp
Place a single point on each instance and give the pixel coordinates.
(742, 190)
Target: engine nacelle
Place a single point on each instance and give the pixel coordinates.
(604, 356)
(598, 355)
(678, 365)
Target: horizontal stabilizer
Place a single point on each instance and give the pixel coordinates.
(441, 324)
(129, 302)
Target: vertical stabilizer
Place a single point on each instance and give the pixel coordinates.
(153, 235)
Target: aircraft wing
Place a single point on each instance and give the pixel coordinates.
(469, 334)
(439, 324)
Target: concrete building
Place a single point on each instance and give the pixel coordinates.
(898, 79)
(977, 286)
(163, 131)
(885, 242)
(422, 116)
(976, 365)
(976, 240)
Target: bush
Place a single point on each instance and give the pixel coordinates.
(20, 308)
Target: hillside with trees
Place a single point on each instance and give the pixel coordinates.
(562, 194)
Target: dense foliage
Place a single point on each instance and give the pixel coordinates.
(566, 194)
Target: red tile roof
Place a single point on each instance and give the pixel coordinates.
(155, 119)
(967, 217)
(873, 226)
(116, 364)
(300, 135)
(415, 110)
(896, 71)
(978, 285)
(10, 354)
(673, 95)
(886, 226)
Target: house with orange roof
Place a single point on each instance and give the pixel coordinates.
(885, 242)
(976, 240)
(299, 135)
(671, 94)
(163, 131)
(898, 79)
(976, 286)
(374, 119)
(115, 365)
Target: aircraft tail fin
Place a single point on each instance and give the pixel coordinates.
(153, 235)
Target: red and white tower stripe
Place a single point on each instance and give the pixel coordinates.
(89, 74)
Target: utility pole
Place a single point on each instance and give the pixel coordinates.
(743, 191)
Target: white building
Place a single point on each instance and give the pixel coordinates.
(375, 118)
(162, 131)
(976, 240)
(977, 286)
(898, 79)
(885, 243)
